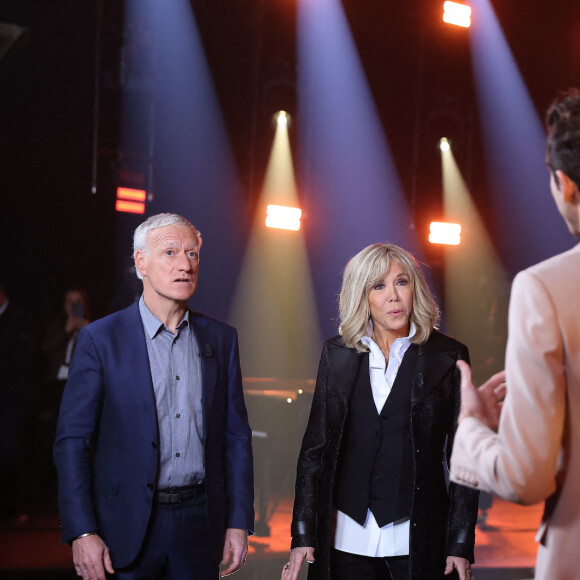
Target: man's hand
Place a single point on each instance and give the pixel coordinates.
(91, 558)
(483, 403)
(461, 565)
(235, 550)
(297, 557)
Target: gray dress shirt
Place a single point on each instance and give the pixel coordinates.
(175, 364)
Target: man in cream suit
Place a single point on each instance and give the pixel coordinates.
(531, 452)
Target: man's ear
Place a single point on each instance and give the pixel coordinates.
(141, 262)
(567, 188)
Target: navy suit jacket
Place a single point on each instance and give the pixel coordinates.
(107, 443)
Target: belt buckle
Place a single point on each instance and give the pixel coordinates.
(175, 497)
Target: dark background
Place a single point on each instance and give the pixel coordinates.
(54, 231)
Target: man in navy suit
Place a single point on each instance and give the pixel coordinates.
(153, 447)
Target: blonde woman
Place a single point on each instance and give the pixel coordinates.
(371, 496)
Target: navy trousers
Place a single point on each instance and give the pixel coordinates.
(176, 546)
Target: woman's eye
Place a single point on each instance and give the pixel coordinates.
(379, 286)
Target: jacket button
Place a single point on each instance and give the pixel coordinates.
(149, 486)
(154, 445)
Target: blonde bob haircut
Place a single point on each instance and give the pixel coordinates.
(362, 273)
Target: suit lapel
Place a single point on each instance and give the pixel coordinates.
(136, 365)
(431, 366)
(209, 368)
(344, 364)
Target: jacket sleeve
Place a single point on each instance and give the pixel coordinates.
(519, 462)
(463, 501)
(238, 449)
(310, 462)
(75, 433)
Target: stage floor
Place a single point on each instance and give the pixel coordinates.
(505, 547)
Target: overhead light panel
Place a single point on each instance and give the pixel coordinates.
(445, 233)
(283, 218)
(457, 14)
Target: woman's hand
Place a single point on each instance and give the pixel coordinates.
(462, 566)
(297, 557)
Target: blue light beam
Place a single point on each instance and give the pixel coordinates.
(354, 195)
(193, 165)
(528, 226)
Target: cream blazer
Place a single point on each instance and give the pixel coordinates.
(535, 456)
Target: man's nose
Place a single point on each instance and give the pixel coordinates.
(184, 263)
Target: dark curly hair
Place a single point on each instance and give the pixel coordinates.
(563, 144)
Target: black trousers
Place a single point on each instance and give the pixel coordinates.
(176, 545)
(345, 566)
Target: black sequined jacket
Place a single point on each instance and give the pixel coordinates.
(442, 518)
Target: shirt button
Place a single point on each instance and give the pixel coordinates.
(178, 416)
(177, 454)
(176, 377)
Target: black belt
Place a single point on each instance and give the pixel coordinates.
(179, 494)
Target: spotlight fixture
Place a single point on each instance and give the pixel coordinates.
(457, 14)
(283, 218)
(282, 119)
(444, 144)
(130, 200)
(445, 233)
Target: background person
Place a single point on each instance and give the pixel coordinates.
(18, 387)
(371, 499)
(56, 351)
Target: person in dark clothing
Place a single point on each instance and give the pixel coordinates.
(371, 498)
(58, 346)
(18, 349)
(56, 350)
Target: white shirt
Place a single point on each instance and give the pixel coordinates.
(369, 539)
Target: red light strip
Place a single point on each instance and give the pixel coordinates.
(132, 194)
(130, 206)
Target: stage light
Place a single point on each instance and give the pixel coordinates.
(131, 194)
(445, 233)
(130, 200)
(282, 119)
(444, 144)
(457, 14)
(130, 206)
(283, 218)
(289, 400)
